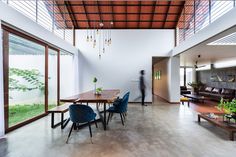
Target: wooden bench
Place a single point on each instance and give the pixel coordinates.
(61, 110)
(219, 122)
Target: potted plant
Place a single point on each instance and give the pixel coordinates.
(99, 90)
(228, 107)
(95, 81)
(195, 86)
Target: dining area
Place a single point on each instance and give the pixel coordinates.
(90, 108)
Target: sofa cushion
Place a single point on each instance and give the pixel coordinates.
(208, 89)
(227, 91)
(216, 90)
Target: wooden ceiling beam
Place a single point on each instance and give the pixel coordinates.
(153, 11)
(72, 16)
(123, 5)
(121, 13)
(99, 11)
(166, 15)
(119, 20)
(86, 14)
(180, 12)
(112, 11)
(139, 11)
(126, 15)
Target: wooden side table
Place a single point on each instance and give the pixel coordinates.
(184, 99)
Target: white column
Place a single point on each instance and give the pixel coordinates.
(1, 87)
(194, 75)
(174, 79)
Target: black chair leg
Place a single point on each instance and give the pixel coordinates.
(121, 119)
(90, 129)
(123, 116)
(96, 123)
(108, 118)
(90, 132)
(72, 126)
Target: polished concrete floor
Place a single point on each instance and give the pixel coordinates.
(158, 130)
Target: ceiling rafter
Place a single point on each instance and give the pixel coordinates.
(62, 13)
(120, 5)
(153, 11)
(166, 15)
(126, 16)
(180, 12)
(139, 16)
(119, 13)
(99, 12)
(72, 16)
(112, 10)
(121, 20)
(86, 14)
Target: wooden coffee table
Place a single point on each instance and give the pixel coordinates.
(195, 97)
(219, 122)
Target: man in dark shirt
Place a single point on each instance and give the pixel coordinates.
(142, 86)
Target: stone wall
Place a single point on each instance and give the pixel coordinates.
(218, 77)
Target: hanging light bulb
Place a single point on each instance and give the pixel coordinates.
(103, 50)
(87, 38)
(94, 43)
(101, 24)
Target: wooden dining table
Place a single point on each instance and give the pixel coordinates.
(106, 97)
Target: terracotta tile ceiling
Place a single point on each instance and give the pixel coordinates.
(123, 14)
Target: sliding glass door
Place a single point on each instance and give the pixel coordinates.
(52, 78)
(25, 80)
(31, 78)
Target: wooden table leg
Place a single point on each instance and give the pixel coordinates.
(62, 120)
(104, 118)
(199, 119)
(52, 120)
(231, 136)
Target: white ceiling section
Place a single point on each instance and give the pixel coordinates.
(214, 52)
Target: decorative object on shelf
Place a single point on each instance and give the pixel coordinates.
(95, 81)
(216, 78)
(99, 36)
(157, 75)
(231, 78)
(212, 116)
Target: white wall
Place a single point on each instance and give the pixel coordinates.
(168, 86)
(130, 52)
(223, 23)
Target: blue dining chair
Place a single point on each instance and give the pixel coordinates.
(120, 107)
(81, 114)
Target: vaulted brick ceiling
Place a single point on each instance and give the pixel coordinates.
(123, 14)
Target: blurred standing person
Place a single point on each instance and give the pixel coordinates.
(142, 86)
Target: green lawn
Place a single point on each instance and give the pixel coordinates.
(20, 113)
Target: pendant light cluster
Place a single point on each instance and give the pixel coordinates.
(100, 37)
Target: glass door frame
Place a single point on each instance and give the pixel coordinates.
(6, 31)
